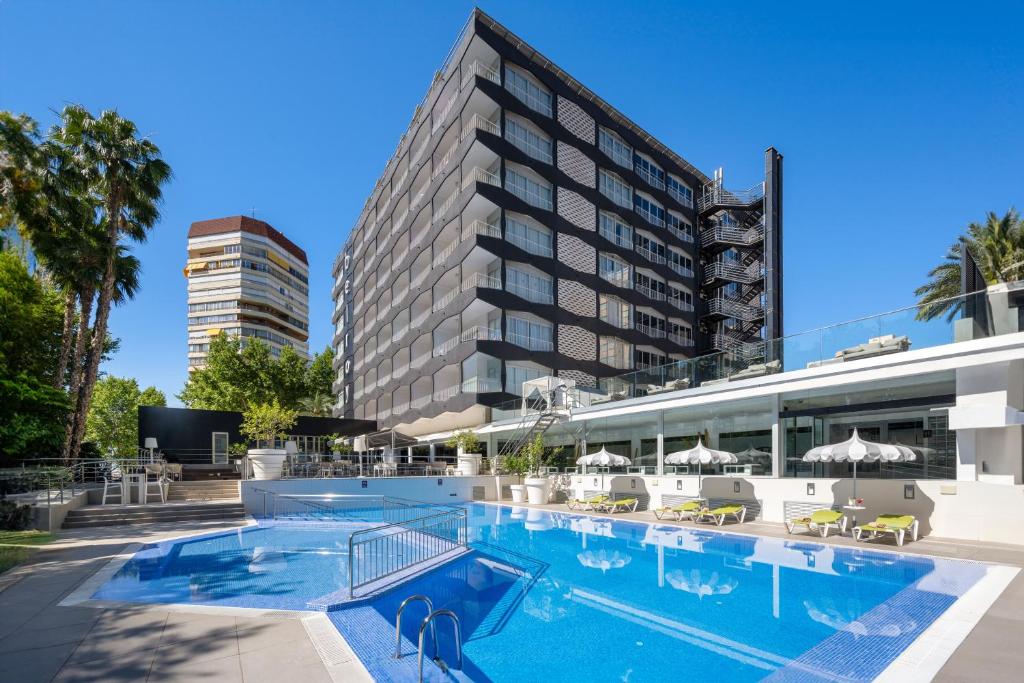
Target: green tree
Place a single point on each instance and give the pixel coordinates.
(317, 405)
(997, 246)
(265, 422)
(113, 421)
(289, 373)
(33, 411)
(125, 174)
(320, 374)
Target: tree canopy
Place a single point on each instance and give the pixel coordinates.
(113, 421)
(237, 377)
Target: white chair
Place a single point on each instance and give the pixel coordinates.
(156, 470)
(114, 485)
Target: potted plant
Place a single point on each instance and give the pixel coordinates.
(538, 487)
(517, 464)
(264, 423)
(467, 445)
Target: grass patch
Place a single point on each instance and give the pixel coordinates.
(16, 546)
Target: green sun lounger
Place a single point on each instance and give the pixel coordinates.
(719, 514)
(585, 503)
(819, 520)
(619, 505)
(897, 525)
(690, 508)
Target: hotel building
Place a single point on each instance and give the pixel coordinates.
(525, 228)
(245, 279)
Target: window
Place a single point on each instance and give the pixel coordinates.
(611, 186)
(515, 375)
(648, 359)
(615, 230)
(649, 209)
(647, 247)
(612, 145)
(679, 226)
(680, 298)
(528, 92)
(649, 287)
(680, 263)
(681, 334)
(614, 311)
(616, 353)
(680, 191)
(532, 238)
(535, 288)
(534, 144)
(651, 325)
(529, 334)
(613, 269)
(529, 190)
(649, 171)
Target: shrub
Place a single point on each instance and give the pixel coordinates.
(267, 422)
(14, 517)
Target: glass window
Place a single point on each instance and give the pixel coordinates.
(613, 269)
(529, 334)
(615, 352)
(649, 171)
(515, 375)
(530, 286)
(532, 238)
(615, 189)
(612, 145)
(615, 230)
(528, 92)
(649, 209)
(680, 191)
(679, 226)
(615, 311)
(536, 145)
(529, 190)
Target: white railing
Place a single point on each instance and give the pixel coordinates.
(443, 255)
(400, 370)
(419, 151)
(650, 330)
(532, 195)
(479, 175)
(684, 306)
(443, 163)
(731, 234)
(680, 197)
(446, 299)
(480, 385)
(616, 239)
(537, 296)
(529, 147)
(447, 393)
(397, 225)
(531, 343)
(481, 227)
(418, 320)
(734, 309)
(400, 257)
(445, 113)
(680, 269)
(650, 254)
(734, 272)
(680, 339)
(649, 292)
(482, 123)
(650, 177)
(649, 216)
(399, 333)
(716, 195)
(481, 281)
(618, 278)
(448, 203)
(533, 246)
(420, 360)
(416, 281)
(383, 379)
(684, 236)
(446, 346)
(400, 408)
(480, 69)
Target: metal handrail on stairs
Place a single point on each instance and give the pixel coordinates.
(437, 655)
(398, 622)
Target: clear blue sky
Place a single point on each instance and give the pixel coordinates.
(900, 122)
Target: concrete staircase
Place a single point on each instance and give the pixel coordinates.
(196, 491)
(118, 515)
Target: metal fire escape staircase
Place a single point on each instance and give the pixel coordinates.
(540, 412)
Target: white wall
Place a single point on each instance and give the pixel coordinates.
(969, 510)
(426, 489)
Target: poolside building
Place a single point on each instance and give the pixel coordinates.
(245, 279)
(525, 228)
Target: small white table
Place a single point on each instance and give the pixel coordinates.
(853, 518)
(137, 479)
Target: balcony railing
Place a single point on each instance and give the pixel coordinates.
(482, 123)
(733, 272)
(447, 393)
(480, 385)
(684, 306)
(680, 269)
(481, 281)
(421, 359)
(650, 254)
(479, 175)
(447, 204)
(532, 195)
(686, 201)
(649, 216)
(651, 179)
(732, 234)
(618, 240)
(650, 330)
(680, 339)
(649, 292)
(531, 343)
(716, 195)
(480, 69)
(537, 296)
(684, 236)
(619, 278)
(533, 246)
(481, 227)
(734, 309)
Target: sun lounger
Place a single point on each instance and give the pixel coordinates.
(897, 525)
(620, 505)
(690, 507)
(875, 346)
(820, 520)
(718, 515)
(585, 503)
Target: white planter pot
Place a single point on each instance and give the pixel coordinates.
(538, 490)
(267, 462)
(469, 464)
(518, 493)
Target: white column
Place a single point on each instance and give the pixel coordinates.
(778, 437)
(408, 454)
(433, 452)
(661, 442)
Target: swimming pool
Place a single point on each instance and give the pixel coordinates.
(562, 596)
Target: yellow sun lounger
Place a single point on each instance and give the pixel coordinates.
(820, 521)
(585, 503)
(690, 508)
(623, 504)
(719, 514)
(897, 525)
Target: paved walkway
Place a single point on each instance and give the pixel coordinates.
(992, 652)
(42, 641)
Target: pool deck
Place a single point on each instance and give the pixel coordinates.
(991, 652)
(40, 640)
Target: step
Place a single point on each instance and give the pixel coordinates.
(122, 521)
(77, 515)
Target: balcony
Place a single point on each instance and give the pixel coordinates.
(480, 385)
(618, 240)
(650, 330)
(684, 236)
(650, 178)
(680, 339)
(476, 333)
(533, 194)
(531, 343)
(733, 272)
(445, 206)
(716, 196)
(532, 294)
(649, 292)
(732, 235)
(619, 278)
(482, 70)
(478, 122)
(685, 306)
(479, 175)
(680, 269)
(683, 199)
(531, 245)
(649, 216)
(723, 306)
(650, 254)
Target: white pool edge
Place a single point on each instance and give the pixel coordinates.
(924, 658)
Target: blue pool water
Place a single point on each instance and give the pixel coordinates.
(553, 596)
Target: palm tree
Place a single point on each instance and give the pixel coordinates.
(997, 246)
(318, 405)
(124, 173)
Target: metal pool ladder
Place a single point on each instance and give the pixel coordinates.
(428, 621)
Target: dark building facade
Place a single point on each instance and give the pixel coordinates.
(202, 437)
(525, 228)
